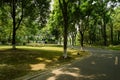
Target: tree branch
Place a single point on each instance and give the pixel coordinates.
(19, 22)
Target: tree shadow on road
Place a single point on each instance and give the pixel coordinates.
(91, 68)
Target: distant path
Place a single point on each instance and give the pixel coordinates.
(101, 65)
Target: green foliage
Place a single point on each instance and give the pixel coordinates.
(114, 47)
(116, 18)
(90, 15)
(56, 21)
(30, 17)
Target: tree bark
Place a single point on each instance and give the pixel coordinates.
(73, 38)
(111, 30)
(104, 35)
(82, 39)
(14, 25)
(65, 30)
(118, 36)
(104, 32)
(81, 32)
(63, 7)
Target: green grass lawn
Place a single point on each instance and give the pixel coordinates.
(110, 47)
(25, 60)
(117, 47)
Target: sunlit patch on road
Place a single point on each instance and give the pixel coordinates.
(38, 66)
(116, 60)
(93, 62)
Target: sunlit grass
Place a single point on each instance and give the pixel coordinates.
(5, 47)
(24, 60)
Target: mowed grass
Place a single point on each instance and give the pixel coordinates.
(25, 60)
(117, 47)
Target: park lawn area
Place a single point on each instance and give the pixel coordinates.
(28, 60)
(112, 47)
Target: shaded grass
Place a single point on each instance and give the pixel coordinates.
(110, 47)
(114, 47)
(25, 60)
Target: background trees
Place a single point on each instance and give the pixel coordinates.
(115, 24)
(90, 22)
(31, 9)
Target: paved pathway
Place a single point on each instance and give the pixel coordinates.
(101, 65)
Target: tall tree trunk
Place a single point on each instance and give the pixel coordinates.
(60, 41)
(104, 35)
(73, 39)
(118, 36)
(81, 34)
(82, 39)
(104, 32)
(65, 31)
(111, 31)
(14, 25)
(63, 7)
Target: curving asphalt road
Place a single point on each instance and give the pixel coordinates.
(101, 65)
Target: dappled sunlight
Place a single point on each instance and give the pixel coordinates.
(87, 76)
(73, 73)
(48, 61)
(74, 52)
(5, 47)
(116, 60)
(93, 62)
(41, 59)
(2, 65)
(77, 69)
(40, 66)
(52, 48)
(57, 72)
(52, 78)
(56, 58)
(61, 71)
(25, 60)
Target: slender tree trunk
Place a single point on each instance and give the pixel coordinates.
(118, 36)
(70, 40)
(105, 36)
(82, 39)
(104, 33)
(9, 39)
(60, 41)
(73, 39)
(65, 35)
(14, 25)
(111, 30)
(82, 36)
(65, 39)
